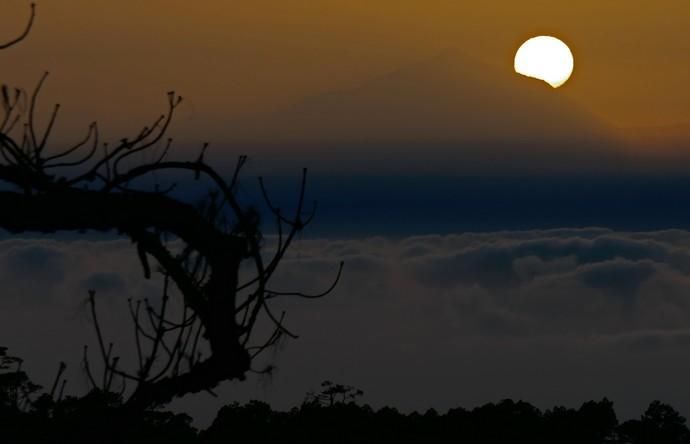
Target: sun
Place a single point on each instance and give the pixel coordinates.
(545, 58)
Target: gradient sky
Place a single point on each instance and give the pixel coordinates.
(461, 196)
(238, 63)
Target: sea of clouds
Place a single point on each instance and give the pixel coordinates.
(552, 316)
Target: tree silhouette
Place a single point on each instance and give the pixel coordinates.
(660, 424)
(199, 247)
(16, 389)
(332, 393)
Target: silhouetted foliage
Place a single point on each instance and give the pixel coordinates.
(501, 423)
(593, 422)
(94, 418)
(100, 417)
(660, 424)
(332, 394)
(199, 248)
(16, 389)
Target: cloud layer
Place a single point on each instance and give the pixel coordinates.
(554, 317)
(580, 283)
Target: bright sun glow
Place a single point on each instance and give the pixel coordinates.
(545, 58)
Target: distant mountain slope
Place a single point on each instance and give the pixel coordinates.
(447, 107)
(444, 98)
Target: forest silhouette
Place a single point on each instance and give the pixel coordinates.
(331, 415)
(209, 325)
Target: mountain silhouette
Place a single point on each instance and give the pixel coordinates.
(446, 107)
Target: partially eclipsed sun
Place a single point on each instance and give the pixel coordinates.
(545, 58)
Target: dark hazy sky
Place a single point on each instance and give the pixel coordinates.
(501, 238)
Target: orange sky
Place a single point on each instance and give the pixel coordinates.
(115, 60)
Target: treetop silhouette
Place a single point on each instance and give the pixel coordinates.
(198, 247)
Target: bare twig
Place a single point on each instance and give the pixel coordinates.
(26, 31)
